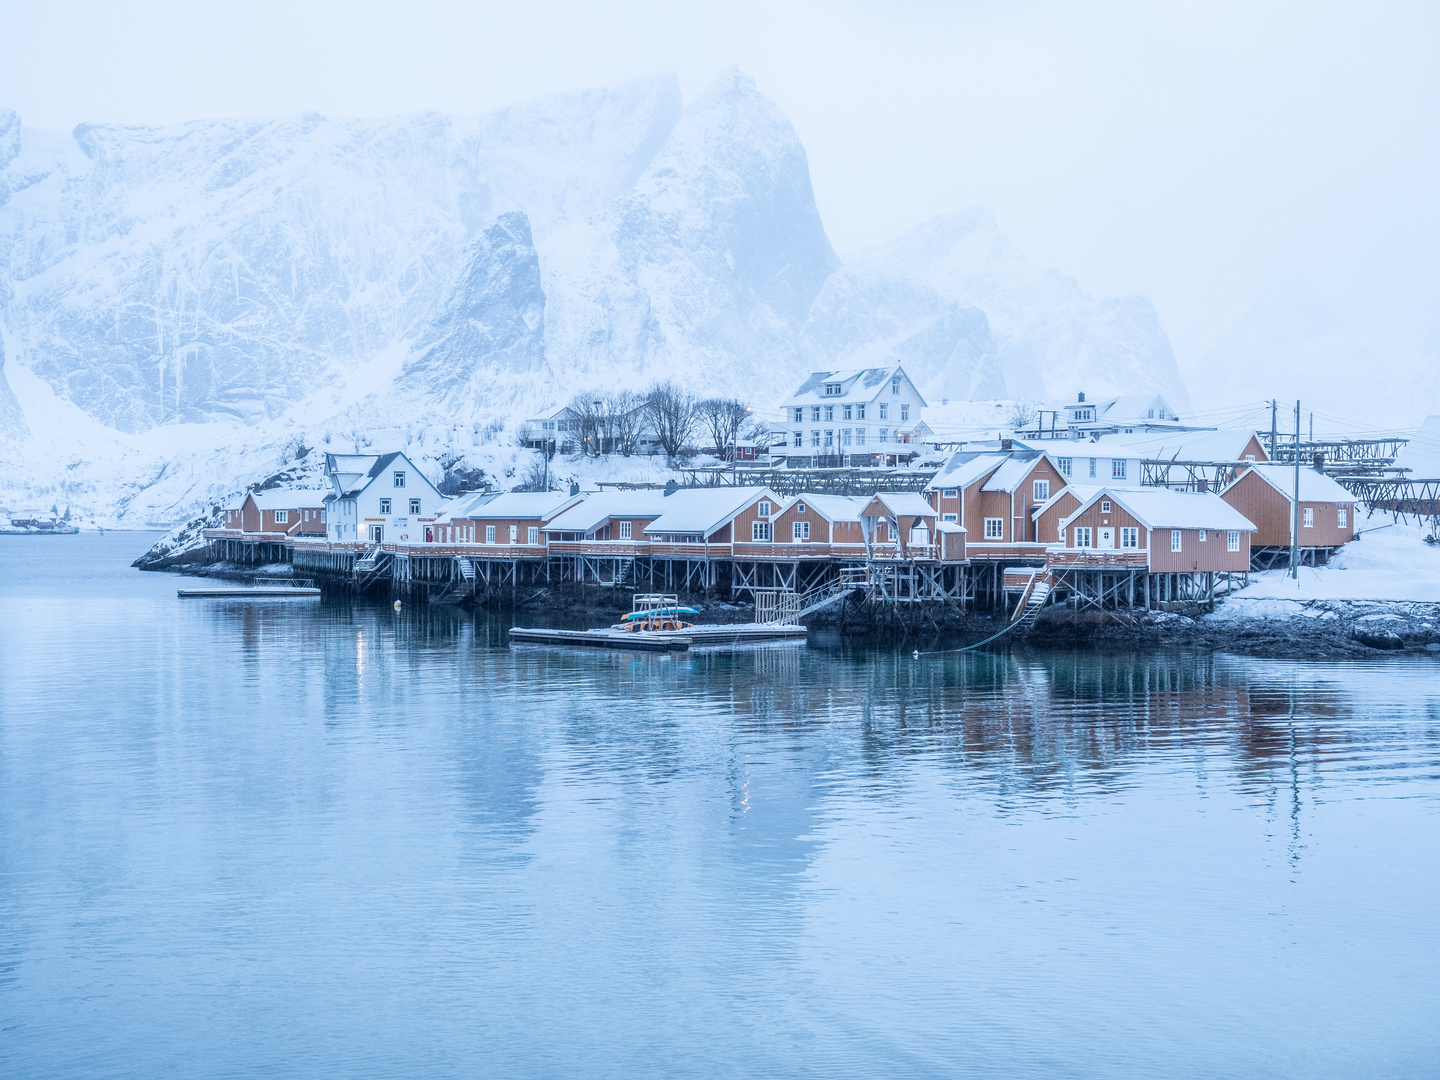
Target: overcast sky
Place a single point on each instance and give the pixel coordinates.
(1192, 152)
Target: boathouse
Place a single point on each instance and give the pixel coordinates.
(599, 538)
(507, 524)
(1266, 493)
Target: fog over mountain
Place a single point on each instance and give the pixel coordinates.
(232, 281)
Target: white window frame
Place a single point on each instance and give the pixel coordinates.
(800, 532)
(859, 436)
(895, 385)
(814, 438)
(1092, 466)
(860, 411)
(1065, 465)
(799, 508)
(1129, 537)
(398, 480)
(995, 528)
(760, 532)
(1342, 518)
(490, 534)
(799, 414)
(884, 410)
(1307, 517)
(1175, 539)
(1202, 536)
(282, 517)
(625, 533)
(415, 506)
(763, 509)
(1040, 490)
(1104, 506)
(799, 438)
(904, 412)
(847, 412)
(534, 535)
(814, 414)
(949, 493)
(1083, 536)
(384, 506)
(1117, 468)
(1232, 540)
(950, 517)
(829, 414)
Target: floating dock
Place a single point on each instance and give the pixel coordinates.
(660, 640)
(259, 592)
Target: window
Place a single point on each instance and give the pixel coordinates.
(814, 413)
(1104, 506)
(949, 493)
(415, 506)
(799, 508)
(859, 436)
(1041, 490)
(884, 434)
(1341, 518)
(1129, 538)
(832, 389)
(994, 528)
(799, 438)
(384, 506)
(760, 530)
(1084, 414)
(799, 414)
(400, 478)
(1082, 536)
(282, 516)
(845, 436)
(489, 534)
(514, 533)
(1064, 464)
(535, 534)
(1092, 466)
(895, 385)
(801, 531)
(1249, 457)
(829, 413)
(1174, 539)
(846, 411)
(624, 530)
(884, 410)
(860, 412)
(1202, 536)
(1150, 415)
(829, 437)
(1117, 469)
(764, 508)
(1309, 517)
(904, 412)
(950, 517)
(1232, 540)
(814, 438)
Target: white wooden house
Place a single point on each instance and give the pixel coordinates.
(864, 416)
(378, 498)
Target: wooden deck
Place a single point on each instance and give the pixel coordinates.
(660, 640)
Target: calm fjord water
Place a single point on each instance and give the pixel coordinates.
(294, 839)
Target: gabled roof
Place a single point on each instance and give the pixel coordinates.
(1079, 492)
(856, 384)
(512, 505)
(604, 505)
(287, 500)
(831, 507)
(1012, 474)
(967, 466)
(899, 504)
(1162, 508)
(353, 473)
(703, 510)
(1314, 486)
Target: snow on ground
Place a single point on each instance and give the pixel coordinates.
(1388, 562)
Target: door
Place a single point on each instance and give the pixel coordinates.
(377, 534)
(1105, 537)
(429, 534)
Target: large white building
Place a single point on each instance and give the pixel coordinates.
(864, 416)
(378, 498)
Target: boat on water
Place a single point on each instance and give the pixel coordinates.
(659, 623)
(654, 619)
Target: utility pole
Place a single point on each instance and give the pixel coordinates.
(1295, 505)
(1274, 436)
(1312, 427)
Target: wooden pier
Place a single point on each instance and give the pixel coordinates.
(660, 640)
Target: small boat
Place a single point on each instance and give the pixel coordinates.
(665, 618)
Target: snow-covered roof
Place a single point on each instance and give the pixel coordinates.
(1314, 486)
(1012, 474)
(1162, 508)
(965, 467)
(604, 505)
(288, 500)
(521, 505)
(1082, 492)
(461, 505)
(703, 510)
(856, 384)
(1226, 444)
(832, 507)
(900, 504)
(948, 527)
(1421, 455)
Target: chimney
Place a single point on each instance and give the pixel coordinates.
(671, 487)
(1082, 395)
(574, 488)
(1006, 445)
(1320, 463)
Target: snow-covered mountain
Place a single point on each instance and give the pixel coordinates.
(207, 292)
(1293, 339)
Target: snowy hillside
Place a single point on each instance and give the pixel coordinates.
(189, 301)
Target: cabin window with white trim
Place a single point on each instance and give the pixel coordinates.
(760, 530)
(895, 385)
(1082, 536)
(1041, 490)
(799, 438)
(282, 516)
(534, 536)
(832, 389)
(884, 434)
(415, 506)
(1174, 539)
(799, 414)
(847, 412)
(904, 412)
(1064, 464)
(994, 528)
(400, 478)
(814, 413)
(1202, 536)
(764, 508)
(1250, 457)
(1117, 468)
(829, 413)
(845, 437)
(514, 533)
(799, 508)
(829, 437)
(884, 414)
(1129, 538)
(859, 436)
(384, 506)
(489, 534)
(1104, 506)
(860, 412)
(1232, 540)
(815, 437)
(949, 493)
(950, 517)
(800, 531)
(624, 530)
(1342, 518)
(1309, 517)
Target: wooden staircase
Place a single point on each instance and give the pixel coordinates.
(1032, 600)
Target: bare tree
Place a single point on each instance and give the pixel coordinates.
(1021, 415)
(723, 418)
(588, 424)
(673, 415)
(625, 415)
